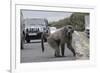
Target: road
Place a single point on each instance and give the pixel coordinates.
(32, 52)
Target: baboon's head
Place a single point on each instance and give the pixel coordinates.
(68, 30)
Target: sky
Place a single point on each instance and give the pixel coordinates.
(49, 15)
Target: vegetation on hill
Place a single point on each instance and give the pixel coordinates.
(77, 20)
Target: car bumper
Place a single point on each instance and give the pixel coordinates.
(34, 35)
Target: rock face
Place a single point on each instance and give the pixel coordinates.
(81, 44)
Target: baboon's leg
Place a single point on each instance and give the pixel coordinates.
(55, 46)
(62, 49)
(57, 52)
(71, 48)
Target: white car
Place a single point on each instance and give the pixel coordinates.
(53, 29)
(34, 27)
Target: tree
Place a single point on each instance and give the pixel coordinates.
(78, 21)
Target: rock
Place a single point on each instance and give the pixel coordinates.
(81, 45)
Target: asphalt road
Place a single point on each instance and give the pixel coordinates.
(32, 52)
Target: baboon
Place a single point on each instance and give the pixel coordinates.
(58, 39)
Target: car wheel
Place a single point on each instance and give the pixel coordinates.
(22, 46)
(28, 41)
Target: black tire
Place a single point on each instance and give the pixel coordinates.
(27, 38)
(28, 41)
(22, 46)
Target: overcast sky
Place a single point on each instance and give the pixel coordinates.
(49, 15)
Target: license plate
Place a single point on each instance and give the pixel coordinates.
(32, 33)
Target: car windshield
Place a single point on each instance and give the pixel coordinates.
(37, 25)
(35, 22)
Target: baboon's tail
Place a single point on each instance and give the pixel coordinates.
(44, 39)
(42, 42)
